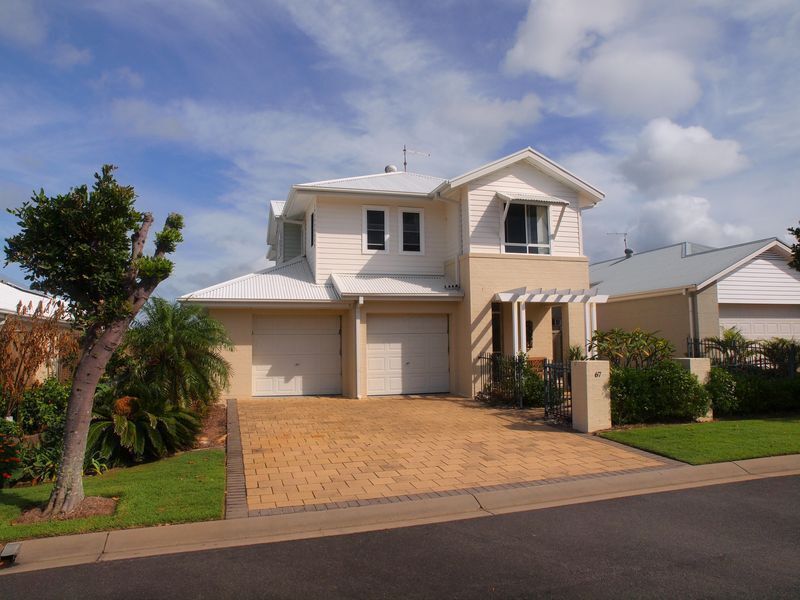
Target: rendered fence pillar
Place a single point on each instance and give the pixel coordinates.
(591, 402)
(702, 368)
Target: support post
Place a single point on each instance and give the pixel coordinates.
(523, 329)
(357, 338)
(515, 327)
(591, 400)
(587, 328)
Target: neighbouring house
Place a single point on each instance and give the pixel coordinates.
(397, 283)
(694, 291)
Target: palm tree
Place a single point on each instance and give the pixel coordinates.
(178, 348)
(733, 347)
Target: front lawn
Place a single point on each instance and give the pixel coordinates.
(718, 441)
(184, 488)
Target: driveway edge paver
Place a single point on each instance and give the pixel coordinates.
(121, 544)
(235, 491)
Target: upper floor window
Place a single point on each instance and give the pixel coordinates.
(375, 230)
(527, 229)
(412, 231)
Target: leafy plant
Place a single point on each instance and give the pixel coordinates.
(637, 348)
(44, 407)
(513, 378)
(732, 347)
(782, 353)
(760, 393)
(39, 462)
(96, 465)
(577, 352)
(88, 248)
(721, 388)
(130, 430)
(177, 348)
(9, 453)
(662, 392)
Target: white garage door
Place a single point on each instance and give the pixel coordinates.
(297, 356)
(762, 321)
(407, 354)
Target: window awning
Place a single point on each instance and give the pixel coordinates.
(553, 296)
(532, 198)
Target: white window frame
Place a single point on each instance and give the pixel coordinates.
(421, 213)
(385, 211)
(549, 245)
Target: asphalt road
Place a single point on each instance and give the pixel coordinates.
(736, 540)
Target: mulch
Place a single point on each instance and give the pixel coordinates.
(215, 428)
(92, 506)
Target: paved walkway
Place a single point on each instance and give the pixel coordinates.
(318, 453)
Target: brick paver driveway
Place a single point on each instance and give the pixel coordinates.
(312, 453)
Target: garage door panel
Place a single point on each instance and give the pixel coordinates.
(762, 321)
(299, 362)
(407, 354)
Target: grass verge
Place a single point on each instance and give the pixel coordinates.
(181, 489)
(718, 441)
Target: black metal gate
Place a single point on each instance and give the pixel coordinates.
(558, 392)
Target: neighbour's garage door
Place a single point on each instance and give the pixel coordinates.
(407, 354)
(297, 356)
(762, 321)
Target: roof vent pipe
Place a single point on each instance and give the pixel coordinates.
(390, 169)
(628, 252)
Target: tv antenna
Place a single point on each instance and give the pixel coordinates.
(624, 235)
(409, 151)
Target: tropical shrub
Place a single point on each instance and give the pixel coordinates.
(783, 354)
(662, 392)
(759, 392)
(9, 452)
(44, 407)
(721, 388)
(637, 348)
(577, 352)
(39, 462)
(177, 348)
(131, 429)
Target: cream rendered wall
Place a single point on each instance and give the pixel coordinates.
(484, 275)
(707, 306)
(239, 325)
(485, 211)
(339, 238)
(668, 316)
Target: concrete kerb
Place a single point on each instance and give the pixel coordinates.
(131, 543)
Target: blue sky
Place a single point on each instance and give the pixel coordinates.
(684, 113)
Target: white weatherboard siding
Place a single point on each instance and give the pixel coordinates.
(767, 279)
(485, 211)
(407, 354)
(294, 356)
(762, 321)
(292, 240)
(339, 248)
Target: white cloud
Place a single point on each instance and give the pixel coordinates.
(67, 56)
(634, 81)
(685, 218)
(21, 23)
(555, 34)
(671, 158)
(122, 77)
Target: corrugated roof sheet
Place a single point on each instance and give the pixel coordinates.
(399, 182)
(683, 264)
(394, 285)
(291, 281)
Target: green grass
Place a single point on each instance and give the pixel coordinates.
(718, 441)
(184, 488)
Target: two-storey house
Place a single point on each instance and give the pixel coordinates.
(397, 283)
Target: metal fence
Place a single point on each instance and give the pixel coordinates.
(558, 392)
(779, 358)
(499, 378)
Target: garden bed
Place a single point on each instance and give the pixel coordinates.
(718, 441)
(184, 488)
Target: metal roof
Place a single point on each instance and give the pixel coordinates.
(681, 265)
(398, 182)
(541, 198)
(395, 285)
(291, 281)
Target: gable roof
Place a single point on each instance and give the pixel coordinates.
(289, 282)
(396, 182)
(680, 265)
(538, 160)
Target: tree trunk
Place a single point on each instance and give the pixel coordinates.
(68, 491)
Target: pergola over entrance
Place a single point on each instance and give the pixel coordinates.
(519, 297)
